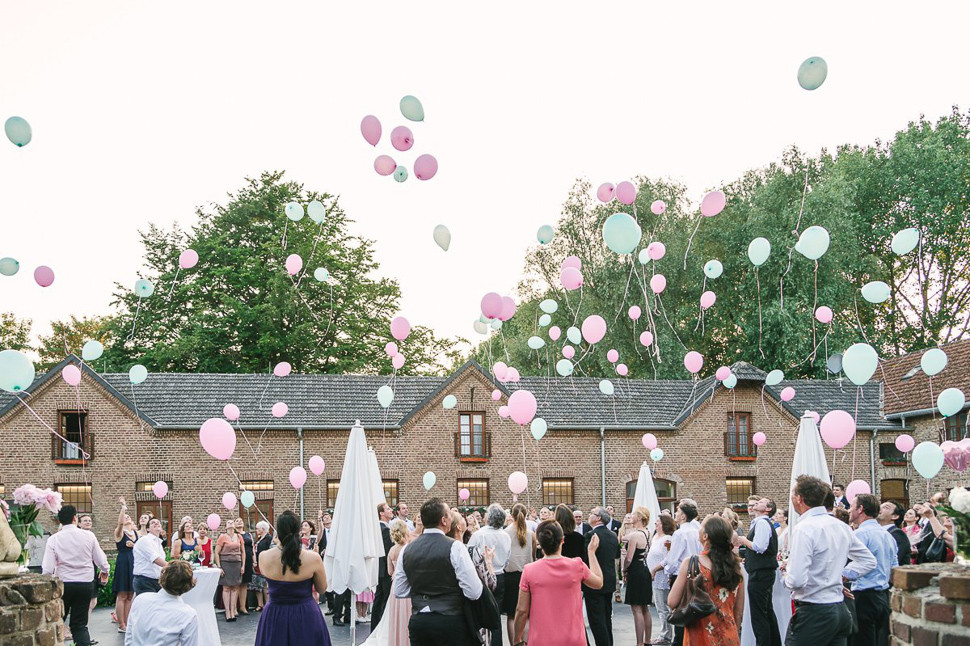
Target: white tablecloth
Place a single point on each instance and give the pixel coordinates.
(780, 601)
(200, 597)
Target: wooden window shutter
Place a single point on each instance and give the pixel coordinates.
(89, 444)
(458, 445)
(55, 447)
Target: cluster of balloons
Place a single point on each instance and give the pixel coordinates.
(495, 310)
(402, 139)
(624, 193)
(43, 275)
(570, 273)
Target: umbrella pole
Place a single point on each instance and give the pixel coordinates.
(353, 618)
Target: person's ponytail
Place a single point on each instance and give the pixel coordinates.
(288, 530)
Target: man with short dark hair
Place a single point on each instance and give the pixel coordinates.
(599, 608)
(761, 562)
(684, 543)
(891, 515)
(402, 513)
(871, 590)
(384, 514)
(70, 555)
(162, 618)
(840, 500)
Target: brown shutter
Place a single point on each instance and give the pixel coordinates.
(727, 446)
(458, 445)
(54, 447)
(488, 445)
(89, 444)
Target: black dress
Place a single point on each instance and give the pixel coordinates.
(639, 585)
(124, 565)
(247, 575)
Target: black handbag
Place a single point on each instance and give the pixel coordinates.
(482, 613)
(695, 604)
(936, 552)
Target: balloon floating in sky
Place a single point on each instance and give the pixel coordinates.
(213, 521)
(538, 428)
(429, 479)
(449, 402)
(217, 438)
(905, 241)
(188, 259)
(282, 369)
(317, 465)
(137, 374)
(144, 288)
(518, 482)
(606, 387)
(535, 342)
(837, 428)
(231, 412)
(950, 401)
(564, 367)
(294, 263)
(384, 165)
(18, 131)
(401, 138)
(522, 406)
(823, 314)
(400, 328)
(759, 439)
(713, 269)
(16, 371)
(731, 381)
(294, 211)
(658, 283)
(646, 338)
(707, 299)
(385, 395)
(425, 167)
(905, 443)
(400, 174)
(545, 234)
(649, 441)
(927, 459)
(280, 409)
(71, 375)
(44, 276)
(92, 350)
(370, 127)
(626, 193)
(321, 274)
(574, 335)
(9, 266)
(442, 237)
(693, 361)
(411, 108)
(549, 306)
(812, 73)
(229, 500)
(713, 203)
(657, 207)
(571, 278)
(876, 292)
(774, 378)
(606, 192)
(594, 328)
(656, 251)
(657, 454)
(813, 242)
(933, 361)
(859, 363)
(545, 320)
(621, 233)
(758, 251)
(297, 477)
(248, 499)
(316, 211)
(160, 489)
(787, 394)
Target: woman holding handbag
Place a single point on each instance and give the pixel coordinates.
(716, 573)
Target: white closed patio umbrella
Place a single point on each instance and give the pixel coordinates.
(809, 459)
(646, 493)
(355, 538)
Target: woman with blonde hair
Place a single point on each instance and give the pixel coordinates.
(522, 553)
(639, 589)
(392, 630)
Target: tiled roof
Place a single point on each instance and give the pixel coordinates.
(913, 394)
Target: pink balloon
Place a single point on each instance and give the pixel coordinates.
(612, 356)
(370, 127)
(71, 374)
(508, 309)
(500, 370)
(464, 494)
(759, 438)
(905, 443)
(400, 328)
(384, 165)
(815, 416)
(823, 314)
(634, 312)
(188, 259)
(658, 206)
(522, 407)
(571, 278)
(838, 428)
(712, 204)
(231, 412)
(317, 465)
(229, 500)
(656, 250)
(280, 409)
(658, 283)
(512, 375)
(401, 138)
(160, 489)
(496, 395)
(293, 264)
(707, 299)
(503, 412)
(217, 438)
(491, 305)
(649, 441)
(213, 521)
(390, 349)
(605, 192)
(787, 394)
(646, 339)
(622, 370)
(722, 373)
(594, 328)
(693, 361)
(282, 369)
(425, 167)
(855, 488)
(44, 276)
(397, 361)
(518, 482)
(571, 261)
(568, 351)
(297, 477)
(555, 333)
(626, 193)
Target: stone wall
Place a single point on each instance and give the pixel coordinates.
(31, 611)
(931, 605)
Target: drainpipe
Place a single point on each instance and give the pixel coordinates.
(603, 463)
(299, 435)
(872, 461)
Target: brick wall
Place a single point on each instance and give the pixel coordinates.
(31, 610)
(931, 605)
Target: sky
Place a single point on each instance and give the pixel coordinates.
(143, 111)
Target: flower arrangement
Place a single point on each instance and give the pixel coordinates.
(192, 556)
(23, 519)
(959, 511)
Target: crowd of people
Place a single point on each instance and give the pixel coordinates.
(551, 573)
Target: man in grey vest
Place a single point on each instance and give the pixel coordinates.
(761, 561)
(436, 572)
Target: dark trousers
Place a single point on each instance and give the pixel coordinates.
(145, 584)
(330, 596)
(819, 625)
(678, 630)
(77, 599)
(764, 624)
(499, 594)
(872, 609)
(380, 600)
(599, 611)
(432, 629)
(341, 606)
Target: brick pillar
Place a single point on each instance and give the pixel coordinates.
(31, 611)
(930, 605)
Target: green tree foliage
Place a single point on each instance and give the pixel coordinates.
(14, 332)
(69, 336)
(238, 310)
(861, 195)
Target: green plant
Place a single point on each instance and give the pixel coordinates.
(106, 595)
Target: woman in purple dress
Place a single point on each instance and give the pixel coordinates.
(291, 616)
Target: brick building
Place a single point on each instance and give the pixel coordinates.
(138, 434)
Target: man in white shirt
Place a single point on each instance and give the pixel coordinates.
(494, 536)
(69, 556)
(760, 563)
(149, 559)
(819, 547)
(162, 618)
(402, 513)
(684, 543)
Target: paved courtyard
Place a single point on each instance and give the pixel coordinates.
(243, 631)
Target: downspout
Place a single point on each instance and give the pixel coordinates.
(872, 462)
(603, 463)
(299, 435)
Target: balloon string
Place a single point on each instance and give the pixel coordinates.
(171, 289)
(241, 432)
(700, 310)
(306, 265)
(625, 290)
(663, 310)
(765, 408)
(690, 240)
(855, 301)
(791, 250)
(131, 335)
(286, 223)
(855, 437)
(84, 454)
(814, 306)
(757, 280)
(243, 488)
(579, 308)
(310, 309)
(504, 346)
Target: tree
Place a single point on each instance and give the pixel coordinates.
(239, 310)
(14, 332)
(69, 336)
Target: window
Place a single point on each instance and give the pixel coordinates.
(390, 492)
(738, 491)
(889, 454)
(78, 495)
(557, 491)
(478, 493)
(738, 442)
(895, 489)
(471, 442)
(333, 488)
(956, 427)
(149, 486)
(160, 509)
(666, 493)
(262, 509)
(256, 485)
(73, 425)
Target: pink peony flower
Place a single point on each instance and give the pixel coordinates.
(53, 501)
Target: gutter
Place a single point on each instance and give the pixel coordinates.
(872, 459)
(299, 435)
(917, 413)
(260, 427)
(603, 463)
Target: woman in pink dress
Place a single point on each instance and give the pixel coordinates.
(393, 628)
(550, 597)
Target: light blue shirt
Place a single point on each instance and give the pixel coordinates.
(883, 546)
(762, 534)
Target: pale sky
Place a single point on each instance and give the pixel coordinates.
(143, 110)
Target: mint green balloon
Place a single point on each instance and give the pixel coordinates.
(480, 327)
(412, 109)
(545, 320)
(606, 387)
(859, 363)
(564, 367)
(713, 269)
(813, 243)
(549, 306)
(294, 211)
(144, 288)
(950, 401)
(9, 266)
(758, 251)
(731, 381)
(904, 241)
(18, 131)
(16, 371)
(643, 257)
(774, 378)
(385, 396)
(574, 335)
(449, 402)
(496, 325)
(92, 350)
(538, 427)
(876, 292)
(400, 174)
(316, 211)
(812, 73)
(429, 479)
(248, 499)
(933, 361)
(621, 233)
(535, 342)
(545, 234)
(321, 274)
(137, 373)
(927, 459)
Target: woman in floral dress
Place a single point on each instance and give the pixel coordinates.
(721, 569)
